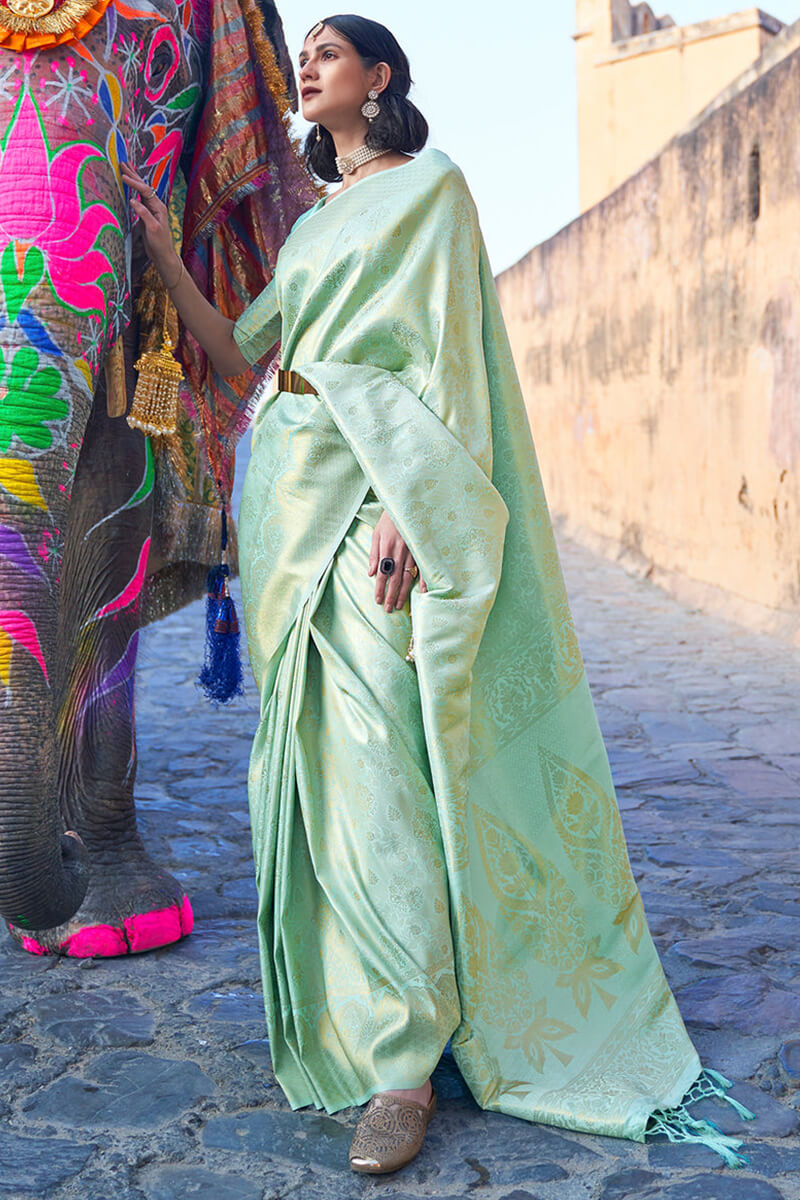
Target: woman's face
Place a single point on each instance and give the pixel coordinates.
(333, 80)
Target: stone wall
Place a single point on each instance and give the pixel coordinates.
(658, 342)
(636, 90)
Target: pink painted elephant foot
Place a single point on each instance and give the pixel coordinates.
(130, 907)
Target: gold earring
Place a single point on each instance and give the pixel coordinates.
(370, 108)
(319, 135)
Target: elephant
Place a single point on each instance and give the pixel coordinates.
(100, 530)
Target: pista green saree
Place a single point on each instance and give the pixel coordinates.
(438, 848)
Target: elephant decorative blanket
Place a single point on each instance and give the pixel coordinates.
(438, 855)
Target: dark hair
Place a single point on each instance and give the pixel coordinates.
(399, 125)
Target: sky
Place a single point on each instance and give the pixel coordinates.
(496, 82)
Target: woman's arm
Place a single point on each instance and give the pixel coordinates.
(213, 331)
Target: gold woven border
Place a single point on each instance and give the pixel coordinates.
(273, 75)
(266, 56)
(60, 21)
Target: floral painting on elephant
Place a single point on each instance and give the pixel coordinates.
(99, 528)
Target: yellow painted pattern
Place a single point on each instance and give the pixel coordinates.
(85, 370)
(5, 658)
(17, 477)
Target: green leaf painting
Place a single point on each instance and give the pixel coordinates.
(19, 276)
(185, 99)
(29, 401)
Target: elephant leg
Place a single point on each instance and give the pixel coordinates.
(132, 904)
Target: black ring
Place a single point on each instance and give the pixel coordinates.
(387, 566)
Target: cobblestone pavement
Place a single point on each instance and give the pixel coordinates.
(149, 1078)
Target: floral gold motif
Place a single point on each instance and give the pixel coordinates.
(587, 820)
(538, 1039)
(587, 976)
(633, 922)
(534, 896)
(31, 8)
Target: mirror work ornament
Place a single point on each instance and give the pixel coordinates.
(32, 24)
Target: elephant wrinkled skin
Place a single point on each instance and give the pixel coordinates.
(77, 485)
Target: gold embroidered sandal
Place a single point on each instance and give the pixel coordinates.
(389, 1134)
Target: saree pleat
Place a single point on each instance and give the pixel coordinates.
(359, 971)
(437, 853)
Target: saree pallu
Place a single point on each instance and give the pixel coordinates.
(438, 854)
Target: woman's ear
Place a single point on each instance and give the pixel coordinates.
(383, 74)
(245, 189)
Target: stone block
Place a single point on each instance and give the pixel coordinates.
(625, 1185)
(734, 1054)
(748, 1003)
(767, 738)
(123, 1089)
(789, 1059)
(678, 728)
(84, 1019)
(770, 1161)
(772, 1119)
(687, 854)
(786, 903)
(31, 1166)
(196, 1183)
(669, 1156)
(751, 777)
(14, 1058)
(747, 945)
(297, 1137)
(232, 1005)
(726, 1185)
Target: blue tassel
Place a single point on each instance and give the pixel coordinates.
(221, 676)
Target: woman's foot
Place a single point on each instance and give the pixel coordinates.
(391, 1130)
(421, 1094)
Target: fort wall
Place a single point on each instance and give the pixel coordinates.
(641, 79)
(658, 342)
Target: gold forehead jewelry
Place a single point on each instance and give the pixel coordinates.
(317, 30)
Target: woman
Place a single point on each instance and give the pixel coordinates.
(438, 849)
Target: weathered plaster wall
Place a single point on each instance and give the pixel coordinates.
(635, 92)
(658, 341)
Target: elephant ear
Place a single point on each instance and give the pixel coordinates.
(246, 188)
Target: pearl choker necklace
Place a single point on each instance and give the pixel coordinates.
(349, 163)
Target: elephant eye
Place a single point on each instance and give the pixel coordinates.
(163, 60)
(160, 63)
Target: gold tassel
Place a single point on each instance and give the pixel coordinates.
(155, 401)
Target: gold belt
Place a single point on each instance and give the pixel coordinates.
(290, 381)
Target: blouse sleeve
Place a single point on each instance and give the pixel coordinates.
(259, 327)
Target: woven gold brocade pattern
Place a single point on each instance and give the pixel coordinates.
(587, 818)
(532, 893)
(438, 848)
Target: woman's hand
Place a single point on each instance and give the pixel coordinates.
(154, 215)
(391, 590)
(213, 331)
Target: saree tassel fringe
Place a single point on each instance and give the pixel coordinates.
(678, 1125)
(221, 676)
